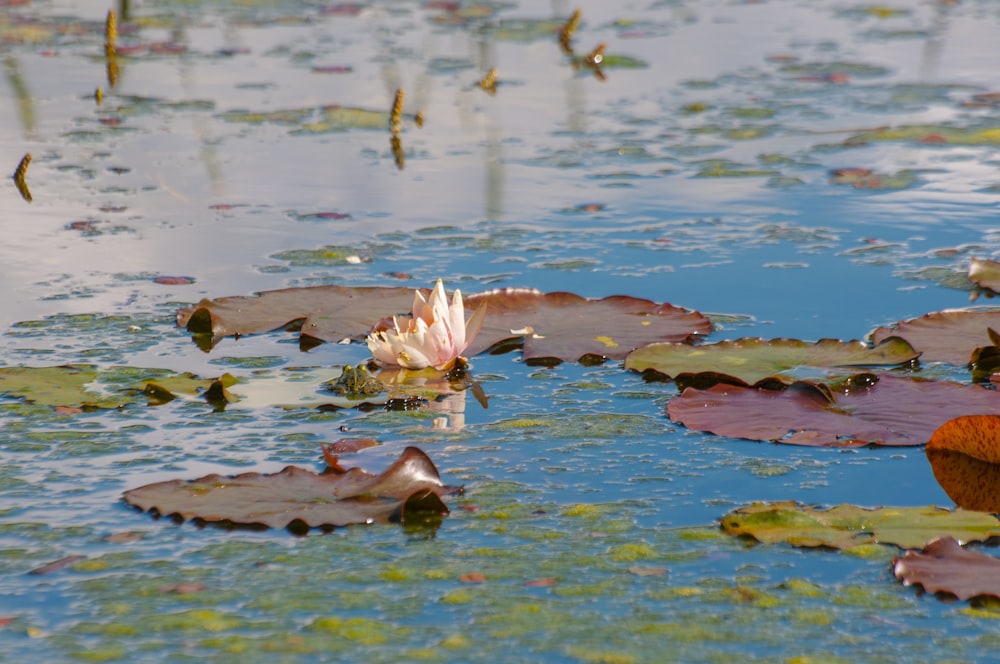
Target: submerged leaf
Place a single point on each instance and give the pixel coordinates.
(409, 486)
(751, 360)
(943, 566)
(892, 411)
(846, 526)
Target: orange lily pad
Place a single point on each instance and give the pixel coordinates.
(965, 456)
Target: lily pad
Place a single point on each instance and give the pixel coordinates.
(965, 456)
(931, 135)
(751, 360)
(978, 436)
(566, 327)
(846, 526)
(409, 489)
(943, 566)
(869, 410)
(945, 336)
(327, 313)
(555, 326)
(972, 483)
(985, 274)
(318, 120)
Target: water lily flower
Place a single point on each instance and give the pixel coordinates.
(435, 336)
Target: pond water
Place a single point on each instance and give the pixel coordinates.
(696, 167)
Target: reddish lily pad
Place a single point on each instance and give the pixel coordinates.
(410, 488)
(943, 566)
(886, 410)
(846, 526)
(555, 326)
(566, 327)
(945, 336)
(752, 360)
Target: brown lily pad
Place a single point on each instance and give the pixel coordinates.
(886, 410)
(567, 327)
(985, 274)
(945, 336)
(846, 526)
(554, 326)
(752, 360)
(410, 488)
(326, 313)
(943, 566)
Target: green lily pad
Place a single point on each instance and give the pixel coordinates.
(65, 386)
(317, 120)
(846, 526)
(751, 360)
(931, 135)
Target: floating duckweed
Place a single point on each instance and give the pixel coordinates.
(195, 620)
(396, 574)
(869, 597)
(459, 596)
(632, 553)
(361, 630)
(811, 617)
(600, 657)
(107, 653)
(803, 588)
(673, 593)
(456, 642)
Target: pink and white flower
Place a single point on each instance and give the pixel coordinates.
(435, 336)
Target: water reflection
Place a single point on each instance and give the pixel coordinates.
(25, 102)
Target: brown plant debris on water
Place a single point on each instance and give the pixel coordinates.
(19, 174)
(397, 151)
(489, 82)
(110, 34)
(396, 117)
(566, 34)
(596, 56)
